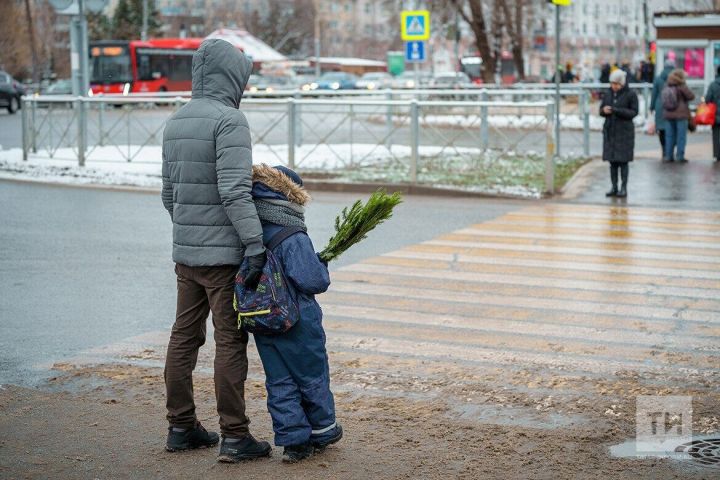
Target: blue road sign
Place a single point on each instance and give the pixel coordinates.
(415, 25)
(415, 51)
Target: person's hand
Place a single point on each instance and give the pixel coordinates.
(255, 269)
(607, 109)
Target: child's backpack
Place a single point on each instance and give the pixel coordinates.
(669, 98)
(270, 309)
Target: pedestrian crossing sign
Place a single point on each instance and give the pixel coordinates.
(415, 25)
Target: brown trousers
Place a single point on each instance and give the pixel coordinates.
(201, 290)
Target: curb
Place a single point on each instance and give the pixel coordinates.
(312, 185)
(578, 182)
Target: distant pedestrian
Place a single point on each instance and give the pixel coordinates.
(605, 73)
(569, 74)
(675, 98)
(713, 96)
(656, 103)
(619, 106)
(206, 183)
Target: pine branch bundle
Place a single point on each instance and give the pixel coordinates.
(358, 221)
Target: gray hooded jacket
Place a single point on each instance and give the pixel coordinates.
(207, 164)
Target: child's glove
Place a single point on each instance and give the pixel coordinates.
(256, 263)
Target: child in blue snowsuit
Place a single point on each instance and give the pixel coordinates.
(296, 362)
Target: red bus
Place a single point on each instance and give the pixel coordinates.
(156, 65)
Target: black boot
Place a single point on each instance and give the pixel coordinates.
(246, 448)
(624, 174)
(295, 453)
(614, 167)
(322, 445)
(189, 438)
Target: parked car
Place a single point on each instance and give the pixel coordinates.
(411, 79)
(10, 92)
(374, 81)
(335, 81)
(451, 80)
(59, 87)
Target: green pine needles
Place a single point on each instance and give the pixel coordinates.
(357, 222)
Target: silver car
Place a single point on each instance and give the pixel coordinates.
(374, 81)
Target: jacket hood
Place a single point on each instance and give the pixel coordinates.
(220, 71)
(676, 77)
(273, 183)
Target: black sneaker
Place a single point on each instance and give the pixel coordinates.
(322, 445)
(246, 448)
(187, 439)
(295, 453)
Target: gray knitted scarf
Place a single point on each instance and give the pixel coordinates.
(281, 212)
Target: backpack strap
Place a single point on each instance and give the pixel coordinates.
(282, 235)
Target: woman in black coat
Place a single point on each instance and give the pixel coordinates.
(619, 106)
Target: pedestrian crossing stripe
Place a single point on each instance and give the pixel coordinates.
(415, 25)
(546, 286)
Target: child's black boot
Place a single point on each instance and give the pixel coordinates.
(334, 437)
(295, 453)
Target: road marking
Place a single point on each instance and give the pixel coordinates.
(592, 289)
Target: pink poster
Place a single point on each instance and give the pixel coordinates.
(695, 62)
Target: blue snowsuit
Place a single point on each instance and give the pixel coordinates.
(296, 363)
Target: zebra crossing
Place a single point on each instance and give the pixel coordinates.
(594, 289)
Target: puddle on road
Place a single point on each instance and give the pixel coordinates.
(517, 417)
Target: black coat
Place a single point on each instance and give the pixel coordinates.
(619, 131)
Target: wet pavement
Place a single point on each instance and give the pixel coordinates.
(691, 185)
(536, 324)
(82, 268)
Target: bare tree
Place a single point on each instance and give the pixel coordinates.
(477, 19)
(286, 26)
(513, 12)
(15, 53)
(31, 37)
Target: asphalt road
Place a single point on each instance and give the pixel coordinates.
(83, 268)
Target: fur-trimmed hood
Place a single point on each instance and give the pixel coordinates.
(676, 77)
(277, 181)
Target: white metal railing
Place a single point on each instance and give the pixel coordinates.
(412, 137)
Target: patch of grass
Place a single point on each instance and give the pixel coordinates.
(490, 172)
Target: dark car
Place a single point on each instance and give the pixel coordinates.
(10, 92)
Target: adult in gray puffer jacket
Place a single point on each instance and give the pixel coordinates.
(207, 179)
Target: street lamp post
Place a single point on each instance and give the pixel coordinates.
(557, 79)
(317, 38)
(144, 32)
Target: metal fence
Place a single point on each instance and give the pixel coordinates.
(441, 141)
